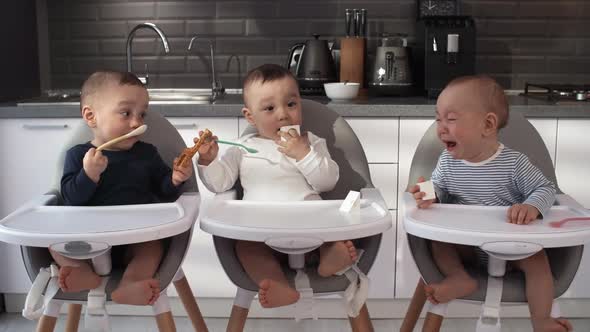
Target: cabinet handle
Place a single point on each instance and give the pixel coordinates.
(185, 126)
(45, 126)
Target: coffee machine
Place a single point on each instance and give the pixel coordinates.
(445, 49)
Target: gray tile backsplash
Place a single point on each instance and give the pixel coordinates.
(517, 40)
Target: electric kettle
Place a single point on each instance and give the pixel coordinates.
(391, 73)
(312, 65)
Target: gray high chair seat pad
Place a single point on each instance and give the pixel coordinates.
(347, 152)
(518, 135)
(169, 143)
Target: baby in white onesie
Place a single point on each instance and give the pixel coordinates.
(287, 167)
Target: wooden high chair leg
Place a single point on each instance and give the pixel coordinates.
(432, 322)
(415, 308)
(46, 324)
(237, 319)
(190, 304)
(362, 322)
(165, 322)
(74, 312)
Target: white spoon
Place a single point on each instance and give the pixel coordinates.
(135, 132)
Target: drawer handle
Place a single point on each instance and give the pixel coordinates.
(185, 126)
(45, 126)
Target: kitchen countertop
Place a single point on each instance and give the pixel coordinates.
(231, 105)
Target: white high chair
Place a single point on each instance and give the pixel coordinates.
(90, 232)
(486, 228)
(296, 228)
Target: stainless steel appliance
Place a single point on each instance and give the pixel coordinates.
(391, 73)
(312, 64)
(559, 93)
(445, 49)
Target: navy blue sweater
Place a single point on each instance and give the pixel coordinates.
(136, 176)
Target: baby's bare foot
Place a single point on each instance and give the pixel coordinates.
(335, 257)
(144, 292)
(450, 288)
(77, 278)
(272, 294)
(552, 325)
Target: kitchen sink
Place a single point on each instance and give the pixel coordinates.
(157, 96)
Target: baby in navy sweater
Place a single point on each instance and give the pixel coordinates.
(129, 172)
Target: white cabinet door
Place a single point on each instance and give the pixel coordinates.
(547, 128)
(384, 177)
(573, 159)
(382, 273)
(30, 148)
(573, 175)
(378, 136)
(411, 132)
(201, 265)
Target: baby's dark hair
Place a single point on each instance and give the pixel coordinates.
(490, 93)
(99, 79)
(266, 73)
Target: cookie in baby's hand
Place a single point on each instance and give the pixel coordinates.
(188, 153)
(287, 128)
(428, 188)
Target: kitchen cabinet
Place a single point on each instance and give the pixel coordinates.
(378, 136)
(411, 131)
(30, 151)
(573, 172)
(384, 177)
(573, 158)
(379, 139)
(382, 273)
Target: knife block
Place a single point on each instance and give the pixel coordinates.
(352, 61)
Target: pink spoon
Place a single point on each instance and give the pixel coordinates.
(562, 222)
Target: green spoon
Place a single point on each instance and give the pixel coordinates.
(250, 150)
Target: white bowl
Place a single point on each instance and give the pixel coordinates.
(341, 90)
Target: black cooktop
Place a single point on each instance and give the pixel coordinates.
(557, 92)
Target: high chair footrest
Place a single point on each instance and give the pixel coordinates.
(487, 324)
(304, 307)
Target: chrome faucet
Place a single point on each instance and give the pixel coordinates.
(217, 90)
(144, 79)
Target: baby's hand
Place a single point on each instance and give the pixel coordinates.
(208, 150)
(181, 174)
(522, 214)
(295, 146)
(418, 195)
(94, 164)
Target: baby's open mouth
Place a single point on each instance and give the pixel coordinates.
(450, 144)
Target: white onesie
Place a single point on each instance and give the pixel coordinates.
(269, 174)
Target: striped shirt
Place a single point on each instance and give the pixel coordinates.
(504, 179)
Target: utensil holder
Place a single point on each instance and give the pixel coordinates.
(352, 61)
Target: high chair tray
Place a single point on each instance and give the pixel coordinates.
(40, 223)
(477, 225)
(321, 220)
